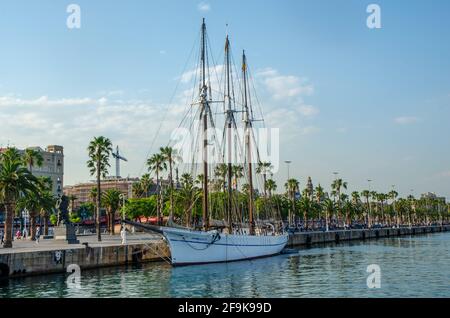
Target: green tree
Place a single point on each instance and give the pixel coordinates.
(329, 207)
(137, 208)
(188, 195)
(170, 156)
(238, 173)
(292, 187)
(111, 201)
(32, 158)
(337, 187)
(271, 187)
(15, 180)
(146, 182)
(221, 171)
(264, 168)
(157, 164)
(99, 149)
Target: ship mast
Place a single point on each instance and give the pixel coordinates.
(248, 128)
(204, 112)
(229, 122)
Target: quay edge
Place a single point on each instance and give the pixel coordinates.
(41, 262)
(310, 238)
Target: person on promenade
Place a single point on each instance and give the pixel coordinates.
(18, 234)
(1, 237)
(123, 235)
(38, 234)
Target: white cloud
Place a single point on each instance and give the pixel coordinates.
(445, 174)
(214, 72)
(308, 110)
(284, 86)
(406, 120)
(342, 130)
(204, 7)
(72, 122)
(309, 130)
(11, 101)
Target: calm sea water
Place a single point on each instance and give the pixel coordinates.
(417, 266)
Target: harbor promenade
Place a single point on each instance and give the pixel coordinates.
(54, 256)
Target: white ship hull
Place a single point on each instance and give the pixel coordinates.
(195, 247)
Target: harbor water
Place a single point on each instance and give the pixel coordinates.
(410, 266)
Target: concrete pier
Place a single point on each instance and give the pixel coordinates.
(27, 258)
(310, 238)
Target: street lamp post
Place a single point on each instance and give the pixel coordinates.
(370, 206)
(288, 162)
(123, 232)
(395, 208)
(412, 207)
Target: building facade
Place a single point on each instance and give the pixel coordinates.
(82, 191)
(52, 166)
(433, 196)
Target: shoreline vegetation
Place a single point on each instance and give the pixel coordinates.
(303, 208)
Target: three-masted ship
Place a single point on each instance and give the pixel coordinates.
(237, 232)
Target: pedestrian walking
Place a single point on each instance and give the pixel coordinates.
(2, 237)
(38, 234)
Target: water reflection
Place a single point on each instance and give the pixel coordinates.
(411, 267)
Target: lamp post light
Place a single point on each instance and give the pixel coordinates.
(288, 162)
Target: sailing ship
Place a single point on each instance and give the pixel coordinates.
(235, 233)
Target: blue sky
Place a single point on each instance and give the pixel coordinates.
(370, 104)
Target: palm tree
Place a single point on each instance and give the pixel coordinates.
(138, 191)
(111, 201)
(366, 194)
(188, 195)
(99, 149)
(32, 158)
(72, 199)
(221, 172)
(264, 168)
(393, 196)
(271, 187)
(15, 180)
(292, 186)
(337, 185)
(146, 182)
(48, 202)
(306, 205)
(34, 201)
(170, 156)
(329, 207)
(157, 164)
(238, 173)
(320, 194)
(29, 201)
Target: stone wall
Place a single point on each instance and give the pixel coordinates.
(18, 264)
(309, 238)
